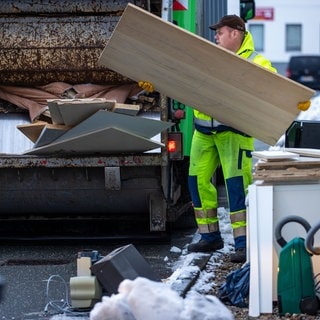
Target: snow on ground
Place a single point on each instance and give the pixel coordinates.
(183, 264)
(142, 299)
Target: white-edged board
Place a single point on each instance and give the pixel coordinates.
(307, 152)
(275, 155)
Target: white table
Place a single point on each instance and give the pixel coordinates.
(267, 205)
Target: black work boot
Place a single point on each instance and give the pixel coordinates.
(239, 256)
(205, 246)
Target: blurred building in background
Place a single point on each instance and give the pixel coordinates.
(283, 28)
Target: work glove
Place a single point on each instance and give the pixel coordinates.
(304, 106)
(147, 86)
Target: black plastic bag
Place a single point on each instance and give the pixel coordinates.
(236, 288)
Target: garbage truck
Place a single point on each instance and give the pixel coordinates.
(50, 50)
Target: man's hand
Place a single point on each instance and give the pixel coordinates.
(146, 86)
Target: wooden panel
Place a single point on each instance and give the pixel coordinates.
(201, 74)
(105, 141)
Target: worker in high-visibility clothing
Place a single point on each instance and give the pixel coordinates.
(215, 144)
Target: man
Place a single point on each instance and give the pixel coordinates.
(215, 144)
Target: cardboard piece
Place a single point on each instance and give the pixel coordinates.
(200, 74)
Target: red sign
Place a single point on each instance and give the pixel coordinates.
(264, 14)
(180, 5)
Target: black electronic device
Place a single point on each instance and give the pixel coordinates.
(122, 263)
(303, 134)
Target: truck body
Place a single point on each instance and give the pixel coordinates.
(47, 42)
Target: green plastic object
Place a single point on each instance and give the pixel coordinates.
(296, 288)
(186, 19)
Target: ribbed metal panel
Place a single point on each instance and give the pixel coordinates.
(11, 139)
(212, 12)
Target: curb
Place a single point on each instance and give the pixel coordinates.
(184, 282)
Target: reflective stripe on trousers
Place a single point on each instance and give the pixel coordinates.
(207, 220)
(238, 223)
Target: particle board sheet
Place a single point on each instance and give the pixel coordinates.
(202, 75)
(295, 169)
(104, 141)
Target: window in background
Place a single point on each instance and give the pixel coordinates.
(257, 31)
(293, 37)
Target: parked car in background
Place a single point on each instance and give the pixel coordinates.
(305, 69)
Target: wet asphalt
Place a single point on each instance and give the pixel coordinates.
(34, 275)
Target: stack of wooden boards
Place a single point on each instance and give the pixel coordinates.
(87, 126)
(292, 164)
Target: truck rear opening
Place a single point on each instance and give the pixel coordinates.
(57, 46)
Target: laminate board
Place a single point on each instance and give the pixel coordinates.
(200, 74)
